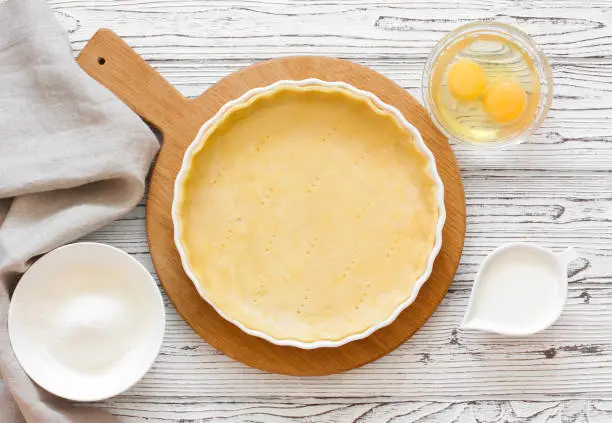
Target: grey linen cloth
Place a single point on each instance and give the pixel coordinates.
(72, 158)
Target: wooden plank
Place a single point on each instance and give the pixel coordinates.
(112, 63)
(361, 410)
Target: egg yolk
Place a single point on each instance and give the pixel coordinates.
(504, 101)
(466, 80)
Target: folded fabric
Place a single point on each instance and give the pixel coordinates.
(72, 158)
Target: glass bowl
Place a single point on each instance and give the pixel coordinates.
(462, 37)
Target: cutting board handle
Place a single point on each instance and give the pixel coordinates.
(109, 60)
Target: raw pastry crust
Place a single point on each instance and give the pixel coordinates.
(308, 214)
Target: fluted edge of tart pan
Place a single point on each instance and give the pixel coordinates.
(418, 140)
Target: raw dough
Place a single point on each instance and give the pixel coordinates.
(308, 214)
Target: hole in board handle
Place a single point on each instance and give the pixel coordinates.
(101, 60)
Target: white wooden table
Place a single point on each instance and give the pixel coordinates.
(555, 190)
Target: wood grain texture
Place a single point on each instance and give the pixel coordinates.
(108, 59)
(555, 190)
(363, 410)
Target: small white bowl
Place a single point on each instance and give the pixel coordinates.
(86, 321)
(418, 139)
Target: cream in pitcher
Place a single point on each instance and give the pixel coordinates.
(520, 289)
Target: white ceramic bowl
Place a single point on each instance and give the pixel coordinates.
(197, 143)
(86, 321)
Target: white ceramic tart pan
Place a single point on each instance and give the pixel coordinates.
(308, 213)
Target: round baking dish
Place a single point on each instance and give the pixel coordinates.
(198, 144)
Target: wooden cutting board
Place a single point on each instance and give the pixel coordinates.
(115, 65)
